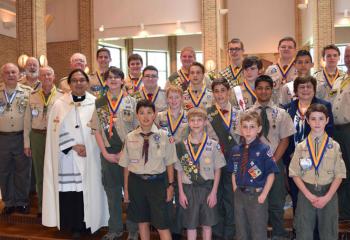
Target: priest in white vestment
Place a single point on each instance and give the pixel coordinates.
(73, 195)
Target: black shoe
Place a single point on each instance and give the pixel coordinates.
(8, 210)
(23, 209)
(76, 235)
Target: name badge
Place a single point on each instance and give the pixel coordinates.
(35, 112)
(2, 109)
(134, 161)
(305, 163)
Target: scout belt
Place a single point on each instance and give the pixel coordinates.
(150, 177)
(250, 190)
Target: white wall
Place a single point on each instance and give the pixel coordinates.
(64, 26)
(342, 35)
(261, 23)
(194, 41)
(122, 18)
(339, 7)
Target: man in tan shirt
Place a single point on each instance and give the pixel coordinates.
(14, 167)
(32, 74)
(35, 124)
(340, 98)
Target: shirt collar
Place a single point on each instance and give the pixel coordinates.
(154, 129)
(270, 104)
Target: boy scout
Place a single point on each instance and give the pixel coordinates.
(133, 82)
(197, 94)
(327, 76)
(253, 172)
(283, 71)
(223, 120)
(35, 124)
(317, 169)
(303, 64)
(199, 168)
(340, 100)
(244, 95)
(277, 126)
(146, 171)
(233, 73)
(113, 119)
(14, 167)
(150, 90)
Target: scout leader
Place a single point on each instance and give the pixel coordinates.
(253, 172)
(327, 76)
(197, 94)
(277, 126)
(148, 173)
(243, 95)
(113, 119)
(35, 125)
(199, 167)
(340, 102)
(31, 74)
(233, 73)
(223, 120)
(14, 167)
(283, 71)
(317, 169)
(150, 89)
(133, 82)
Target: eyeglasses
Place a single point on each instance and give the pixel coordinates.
(234, 49)
(150, 76)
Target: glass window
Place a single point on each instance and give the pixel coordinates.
(158, 59)
(341, 63)
(116, 55)
(199, 58)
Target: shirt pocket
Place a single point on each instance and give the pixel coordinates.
(135, 151)
(327, 165)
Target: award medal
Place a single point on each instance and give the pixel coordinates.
(195, 156)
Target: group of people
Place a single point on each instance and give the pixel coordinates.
(216, 151)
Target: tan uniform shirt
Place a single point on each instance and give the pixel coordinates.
(323, 87)
(94, 84)
(181, 131)
(132, 86)
(331, 167)
(126, 120)
(159, 99)
(340, 98)
(63, 85)
(12, 115)
(247, 94)
(35, 85)
(210, 160)
(281, 124)
(161, 152)
(279, 80)
(35, 117)
(203, 99)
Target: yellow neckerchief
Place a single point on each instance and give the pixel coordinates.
(195, 156)
(113, 106)
(285, 72)
(196, 100)
(174, 126)
(328, 79)
(43, 99)
(250, 90)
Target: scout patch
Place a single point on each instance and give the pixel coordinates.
(254, 172)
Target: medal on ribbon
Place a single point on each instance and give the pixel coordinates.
(196, 100)
(285, 72)
(250, 90)
(184, 77)
(9, 99)
(113, 106)
(48, 101)
(136, 84)
(317, 159)
(235, 73)
(330, 80)
(228, 120)
(154, 97)
(195, 156)
(174, 126)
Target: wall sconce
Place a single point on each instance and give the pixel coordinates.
(223, 11)
(43, 61)
(87, 70)
(101, 28)
(143, 32)
(22, 60)
(8, 24)
(210, 65)
(179, 29)
(304, 5)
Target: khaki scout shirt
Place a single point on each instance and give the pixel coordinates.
(331, 167)
(161, 152)
(160, 101)
(63, 85)
(210, 160)
(35, 86)
(34, 117)
(181, 132)
(323, 88)
(129, 86)
(281, 124)
(204, 101)
(247, 97)
(278, 81)
(12, 119)
(340, 98)
(126, 119)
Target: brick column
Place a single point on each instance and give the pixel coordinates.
(86, 30)
(322, 26)
(31, 28)
(172, 45)
(129, 46)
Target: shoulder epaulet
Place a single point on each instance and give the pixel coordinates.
(64, 78)
(34, 91)
(25, 87)
(59, 90)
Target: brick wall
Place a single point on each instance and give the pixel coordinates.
(58, 55)
(8, 49)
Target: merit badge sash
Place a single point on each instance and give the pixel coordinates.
(250, 90)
